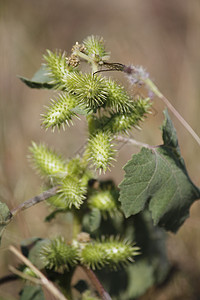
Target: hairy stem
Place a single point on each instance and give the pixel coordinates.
(35, 200)
(156, 91)
(132, 141)
(152, 87)
(97, 284)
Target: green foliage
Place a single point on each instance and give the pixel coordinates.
(150, 267)
(92, 220)
(157, 178)
(5, 218)
(32, 293)
(40, 80)
(142, 274)
(35, 249)
(111, 227)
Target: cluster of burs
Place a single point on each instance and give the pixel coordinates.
(109, 112)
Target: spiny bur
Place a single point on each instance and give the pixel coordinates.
(47, 162)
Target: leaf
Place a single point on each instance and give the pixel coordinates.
(157, 178)
(140, 278)
(92, 220)
(5, 218)
(53, 214)
(27, 244)
(80, 110)
(149, 268)
(152, 242)
(31, 248)
(32, 293)
(34, 254)
(40, 80)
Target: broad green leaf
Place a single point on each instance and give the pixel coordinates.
(157, 178)
(40, 80)
(32, 293)
(5, 218)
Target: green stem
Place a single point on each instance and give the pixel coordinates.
(88, 59)
(76, 225)
(156, 91)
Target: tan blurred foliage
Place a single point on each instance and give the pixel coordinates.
(163, 36)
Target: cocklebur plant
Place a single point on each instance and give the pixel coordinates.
(111, 225)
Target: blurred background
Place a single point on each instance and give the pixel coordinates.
(164, 37)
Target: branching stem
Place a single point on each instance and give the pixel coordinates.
(88, 59)
(132, 141)
(35, 200)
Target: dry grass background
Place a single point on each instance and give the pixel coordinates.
(164, 37)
